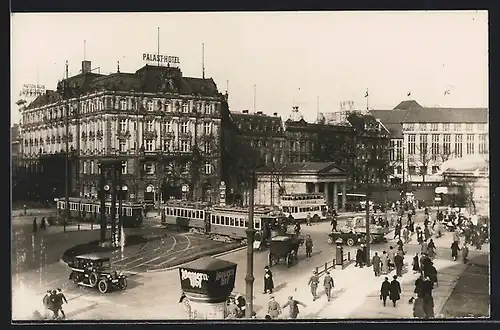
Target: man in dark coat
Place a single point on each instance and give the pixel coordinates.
(268, 280)
(428, 300)
(395, 290)
(359, 258)
(385, 290)
(35, 227)
(333, 223)
(398, 263)
(309, 246)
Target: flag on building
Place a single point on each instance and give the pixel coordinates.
(409, 94)
(366, 94)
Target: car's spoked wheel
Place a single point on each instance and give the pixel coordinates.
(103, 286)
(123, 283)
(93, 279)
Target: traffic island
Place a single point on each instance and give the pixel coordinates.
(471, 295)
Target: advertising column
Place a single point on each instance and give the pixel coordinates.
(207, 284)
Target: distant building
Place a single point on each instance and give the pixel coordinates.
(15, 136)
(164, 126)
(423, 138)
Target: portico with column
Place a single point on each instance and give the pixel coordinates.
(296, 178)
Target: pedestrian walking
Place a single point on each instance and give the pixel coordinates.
(294, 307)
(59, 301)
(465, 253)
(456, 236)
(416, 264)
(359, 258)
(423, 247)
(35, 227)
(391, 254)
(273, 308)
(333, 223)
(376, 264)
(431, 249)
(385, 290)
(308, 219)
(428, 300)
(313, 284)
(385, 263)
(25, 211)
(454, 250)
(309, 246)
(328, 285)
(427, 233)
(399, 262)
(395, 290)
(397, 231)
(406, 235)
(400, 245)
(268, 280)
(43, 224)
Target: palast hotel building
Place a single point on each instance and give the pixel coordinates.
(164, 126)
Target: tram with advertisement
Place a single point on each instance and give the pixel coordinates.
(298, 206)
(89, 210)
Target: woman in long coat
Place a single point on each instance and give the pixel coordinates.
(416, 264)
(395, 290)
(431, 249)
(268, 280)
(376, 264)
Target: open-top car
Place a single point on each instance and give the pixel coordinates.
(94, 270)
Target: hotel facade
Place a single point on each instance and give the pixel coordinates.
(164, 127)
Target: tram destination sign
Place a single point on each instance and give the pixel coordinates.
(158, 58)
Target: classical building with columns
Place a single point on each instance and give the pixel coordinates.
(164, 126)
(296, 178)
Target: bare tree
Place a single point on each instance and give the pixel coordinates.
(423, 158)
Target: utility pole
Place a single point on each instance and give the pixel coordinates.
(368, 235)
(249, 279)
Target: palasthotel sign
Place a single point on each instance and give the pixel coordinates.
(158, 58)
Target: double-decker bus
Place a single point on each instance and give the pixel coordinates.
(298, 206)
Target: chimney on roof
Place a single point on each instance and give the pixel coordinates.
(245, 111)
(86, 66)
(275, 114)
(259, 112)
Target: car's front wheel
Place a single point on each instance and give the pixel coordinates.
(103, 286)
(122, 283)
(93, 279)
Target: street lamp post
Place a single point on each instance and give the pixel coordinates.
(249, 279)
(367, 225)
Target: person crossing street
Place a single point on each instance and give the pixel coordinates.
(328, 285)
(313, 283)
(309, 246)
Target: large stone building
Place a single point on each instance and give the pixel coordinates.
(164, 126)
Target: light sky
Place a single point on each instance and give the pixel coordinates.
(289, 56)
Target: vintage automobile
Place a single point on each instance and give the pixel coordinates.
(284, 247)
(349, 237)
(93, 270)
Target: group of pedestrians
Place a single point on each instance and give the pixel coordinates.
(53, 301)
(43, 224)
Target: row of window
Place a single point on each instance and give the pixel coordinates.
(297, 209)
(469, 127)
(232, 221)
(90, 208)
(446, 148)
(167, 126)
(192, 214)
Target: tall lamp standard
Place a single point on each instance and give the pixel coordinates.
(249, 279)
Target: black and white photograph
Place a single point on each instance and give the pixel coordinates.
(250, 165)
